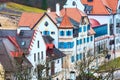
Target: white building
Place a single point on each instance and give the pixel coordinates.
(106, 12)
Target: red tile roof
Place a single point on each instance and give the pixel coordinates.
(66, 24)
(73, 13)
(29, 19)
(53, 16)
(99, 6)
(94, 22)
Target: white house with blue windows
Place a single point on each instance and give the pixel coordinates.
(72, 34)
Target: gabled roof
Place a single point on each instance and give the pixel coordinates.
(48, 39)
(53, 54)
(73, 13)
(66, 24)
(102, 6)
(5, 59)
(29, 19)
(53, 16)
(22, 41)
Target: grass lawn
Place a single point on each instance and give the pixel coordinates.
(23, 8)
(113, 64)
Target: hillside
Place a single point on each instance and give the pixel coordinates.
(23, 8)
(43, 4)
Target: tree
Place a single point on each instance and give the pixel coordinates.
(44, 4)
(86, 72)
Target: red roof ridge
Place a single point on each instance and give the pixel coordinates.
(66, 22)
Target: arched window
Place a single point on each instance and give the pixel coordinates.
(73, 3)
(68, 33)
(46, 24)
(61, 33)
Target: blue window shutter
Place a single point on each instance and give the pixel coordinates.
(77, 42)
(80, 29)
(88, 27)
(48, 32)
(80, 41)
(68, 33)
(72, 44)
(84, 40)
(87, 39)
(84, 29)
(77, 57)
(80, 56)
(72, 59)
(61, 33)
(91, 38)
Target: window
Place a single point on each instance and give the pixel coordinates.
(23, 43)
(88, 27)
(38, 56)
(68, 33)
(84, 29)
(77, 42)
(87, 39)
(61, 33)
(77, 57)
(73, 3)
(58, 61)
(52, 32)
(72, 59)
(91, 38)
(61, 44)
(46, 24)
(84, 40)
(80, 29)
(41, 54)
(80, 41)
(34, 57)
(80, 56)
(46, 32)
(38, 45)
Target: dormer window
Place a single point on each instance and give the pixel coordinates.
(73, 3)
(23, 43)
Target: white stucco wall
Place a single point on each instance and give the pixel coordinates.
(35, 50)
(69, 4)
(51, 28)
(58, 66)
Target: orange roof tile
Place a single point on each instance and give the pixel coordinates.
(99, 6)
(66, 24)
(73, 13)
(53, 16)
(113, 5)
(29, 19)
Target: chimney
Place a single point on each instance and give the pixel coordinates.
(58, 9)
(48, 10)
(18, 31)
